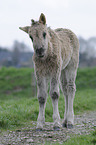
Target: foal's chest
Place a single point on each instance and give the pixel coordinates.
(47, 66)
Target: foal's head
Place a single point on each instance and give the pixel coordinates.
(39, 35)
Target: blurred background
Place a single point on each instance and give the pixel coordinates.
(16, 48)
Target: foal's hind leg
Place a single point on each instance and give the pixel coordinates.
(68, 76)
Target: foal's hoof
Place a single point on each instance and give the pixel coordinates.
(39, 126)
(70, 126)
(56, 128)
(64, 125)
(67, 125)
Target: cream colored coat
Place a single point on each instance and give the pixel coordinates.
(58, 65)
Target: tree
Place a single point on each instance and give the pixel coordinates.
(16, 53)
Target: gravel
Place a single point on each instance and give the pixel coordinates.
(29, 136)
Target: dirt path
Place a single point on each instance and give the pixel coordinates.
(26, 136)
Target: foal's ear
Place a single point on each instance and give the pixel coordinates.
(25, 29)
(42, 19)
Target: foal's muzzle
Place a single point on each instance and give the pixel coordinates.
(40, 52)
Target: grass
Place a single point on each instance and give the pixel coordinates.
(83, 140)
(85, 100)
(80, 140)
(18, 106)
(13, 80)
(86, 78)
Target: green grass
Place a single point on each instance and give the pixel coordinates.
(83, 140)
(80, 140)
(86, 78)
(12, 80)
(18, 107)
(85, 100)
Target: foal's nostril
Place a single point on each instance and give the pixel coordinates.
(39, 51)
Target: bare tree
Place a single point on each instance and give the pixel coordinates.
(16, 53)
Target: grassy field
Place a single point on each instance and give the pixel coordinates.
(18, 106)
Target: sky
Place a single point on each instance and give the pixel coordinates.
(77, 15)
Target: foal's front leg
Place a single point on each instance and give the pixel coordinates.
(54, 93)
(42, 97)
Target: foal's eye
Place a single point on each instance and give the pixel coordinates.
(44, 35)
(31, 38)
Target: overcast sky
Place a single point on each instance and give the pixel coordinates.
(77, 15)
